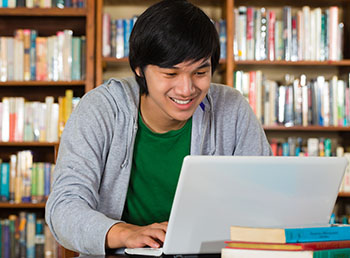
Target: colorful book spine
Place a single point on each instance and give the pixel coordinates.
(47, 179)
(331, 233)
(76, 58)
(41, 181)
(119, 38)
(22, 234)
(13, 171)
(30, 235)
(128, 25)
(26, 64)
(32, 54)
(5, 182)
(223, 38)
(5, 238)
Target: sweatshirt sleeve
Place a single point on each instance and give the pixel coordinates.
(250, 136)
(71, 209)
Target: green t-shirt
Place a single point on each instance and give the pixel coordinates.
(156, 166)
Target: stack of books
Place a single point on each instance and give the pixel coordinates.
(331, 241)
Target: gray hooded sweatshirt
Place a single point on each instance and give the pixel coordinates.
(95, 156)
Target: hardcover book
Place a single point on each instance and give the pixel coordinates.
(333, 232)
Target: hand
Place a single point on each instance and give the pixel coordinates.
(132, 236)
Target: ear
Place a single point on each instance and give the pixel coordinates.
(138, 71)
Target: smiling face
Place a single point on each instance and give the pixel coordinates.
(174, 93)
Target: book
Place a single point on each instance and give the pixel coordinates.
(26, 64)
(321, 245)
(239, 253)
(13, 171)
(30, 235)
(5, 181)
(332, 232)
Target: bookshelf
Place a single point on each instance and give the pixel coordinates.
(277, 69)
(107, 67)
(47, 22)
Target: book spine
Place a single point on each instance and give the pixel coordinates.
(250, 33)
(41, 181)
(3, 59)
(222, 37)
(252, 90)
(26, 43)
(13, 168)
(39, 238)
(287, 33)
(257, 33)
(12, 222)
(242, 34)
(32, 54)
(6, 248)
(271, 35)
(263, 33)
(333, 32)
(332, 233)
(5, 182)
(10, 59)
(30, 236)
(106, 35)
(41, 59)
(76, 58)
(34, 188)
(294, 40)
(47, 179)
(119, 38)
(83, 58)
(22, 233)
(306, 33)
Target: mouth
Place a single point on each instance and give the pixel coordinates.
(181, 102)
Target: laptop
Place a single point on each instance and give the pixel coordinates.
(216, 192)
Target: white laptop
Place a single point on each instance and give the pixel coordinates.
(216, 192)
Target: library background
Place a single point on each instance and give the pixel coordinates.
(291, 61)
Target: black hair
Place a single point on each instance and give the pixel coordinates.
(171, 32)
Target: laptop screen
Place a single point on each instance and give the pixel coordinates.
(216, 192)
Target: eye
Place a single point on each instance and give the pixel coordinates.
(170, 75)
(200, 73)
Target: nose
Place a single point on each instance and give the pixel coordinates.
(185, 86)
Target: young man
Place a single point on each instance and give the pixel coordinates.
(122, 149)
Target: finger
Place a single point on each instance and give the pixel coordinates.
(161, 226)
(155, 233)
(149, 241)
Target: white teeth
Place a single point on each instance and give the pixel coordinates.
(182, 102)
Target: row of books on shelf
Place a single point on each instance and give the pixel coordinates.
(25, 181)
(42, 3)
(116, 34)
(26, 235)
(34, 121)
(297, 101)
(329, 241)
(295, 35)
(323, 147)
(29, 57)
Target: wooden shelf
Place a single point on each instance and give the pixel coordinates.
(308, 128)
(30, 144)
(293, 3)
(23, 11)
(296, 63)
(7, 205)
(42, 83)
(126, 60)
